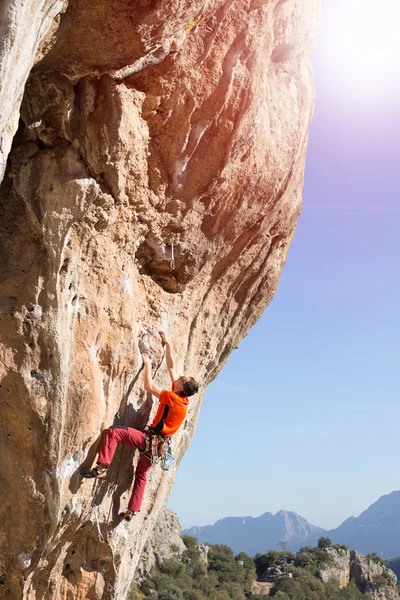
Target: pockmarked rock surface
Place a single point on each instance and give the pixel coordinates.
(337, 567)
(372, 577)
(165, 542)
(154, 181)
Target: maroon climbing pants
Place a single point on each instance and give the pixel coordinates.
(136, 439)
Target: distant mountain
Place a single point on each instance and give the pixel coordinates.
(377, 529)
(394, 565)
(259, 534)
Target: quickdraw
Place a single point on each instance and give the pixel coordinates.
(167, 457)
(154, 450)
(151, 451)
(152, 444)
(172, 261)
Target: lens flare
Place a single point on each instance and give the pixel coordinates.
(359, 43)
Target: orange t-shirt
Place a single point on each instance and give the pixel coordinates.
(170, 414)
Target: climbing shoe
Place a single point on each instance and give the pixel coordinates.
(94, 474)
(129, 514)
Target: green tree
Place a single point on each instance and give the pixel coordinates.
(222, 561)
(208, 584)
(289, 586)
(321, 558)
(324, 542)
(303, 559)
(264, 561)
(227, 577)
(313, 588)
(351, 592)
(222, 595)
(198, 569)
(134, 594)
(148, 587)
(332, 590)
(246, 572)
(167, 585)
(172, 593)
(189, 541)
(194, 594)
(235, 590)
(376, 558)
(173, 567)
(191, 552)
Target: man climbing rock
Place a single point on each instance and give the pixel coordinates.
(169, 417)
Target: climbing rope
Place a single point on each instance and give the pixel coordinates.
(2, 162)
(103, 539)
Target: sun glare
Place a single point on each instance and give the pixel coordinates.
(360, 43)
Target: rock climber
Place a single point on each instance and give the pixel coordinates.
(169, 417)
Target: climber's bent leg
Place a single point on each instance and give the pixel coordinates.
(139, 485)
(119, 435)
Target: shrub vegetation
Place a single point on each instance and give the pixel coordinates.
(228, 577)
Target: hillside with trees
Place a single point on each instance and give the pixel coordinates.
(214, 573)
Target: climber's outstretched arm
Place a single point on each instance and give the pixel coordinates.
(169, 357)
(148, 379)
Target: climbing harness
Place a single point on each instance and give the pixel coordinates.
(154, 442)
(150, 451)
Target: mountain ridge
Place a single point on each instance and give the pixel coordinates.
(376, 529)
(283, 525)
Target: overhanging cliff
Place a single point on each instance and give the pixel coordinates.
(154, 182)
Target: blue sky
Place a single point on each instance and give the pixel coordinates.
(312, 393)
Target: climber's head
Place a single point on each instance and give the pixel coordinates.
(185, 386)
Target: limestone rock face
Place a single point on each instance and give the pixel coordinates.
(371, 576)
(154, 182)
(24, 27)
(337, 567)
(203, 550)
(165, 542)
